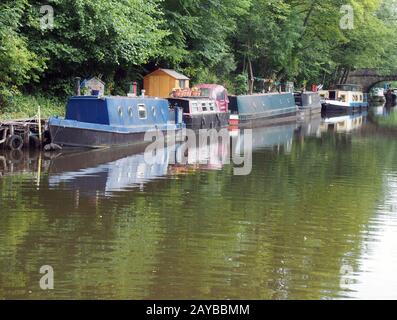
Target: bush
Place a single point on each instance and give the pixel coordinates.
(241, 84)
(26, 106)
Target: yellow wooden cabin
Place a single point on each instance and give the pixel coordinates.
(161, 82)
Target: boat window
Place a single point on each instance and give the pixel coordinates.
(204, 92)
(154, 111)
(204, 106)
(142, 111)
(212, 107)
(130, 111)
(220, 96)
(120, 111)
(194, 107)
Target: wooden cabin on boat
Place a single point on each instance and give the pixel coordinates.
(162, 82)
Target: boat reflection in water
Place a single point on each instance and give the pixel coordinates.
(103, 172)
(344, 123)
(211, 154)
(270, 137)
(380, 111)
(310, 128)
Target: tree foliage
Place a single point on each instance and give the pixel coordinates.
(18, 64)
(210, 40)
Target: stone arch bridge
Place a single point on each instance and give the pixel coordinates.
(367, 78)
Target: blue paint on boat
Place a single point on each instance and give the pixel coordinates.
(93, 121)
(358, 104)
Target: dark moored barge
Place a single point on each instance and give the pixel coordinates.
(200, 112)
(262, 109)
(309, 103)
(95, 122)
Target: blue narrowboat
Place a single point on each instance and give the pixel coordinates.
(261, 109)
(101, 121)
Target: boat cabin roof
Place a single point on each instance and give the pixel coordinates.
(191, 99)
(348, 87)
(117, 111)
(194, 104)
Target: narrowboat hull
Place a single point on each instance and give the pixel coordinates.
(310, 112)
(264, 109)
(333, 105)
(206, 120)
(64, 133)
(309, 104)
(254, 121)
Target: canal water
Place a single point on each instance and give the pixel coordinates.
(315, 219)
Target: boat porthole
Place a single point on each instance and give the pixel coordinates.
(130, 112)
(120, 111)
(154, 111)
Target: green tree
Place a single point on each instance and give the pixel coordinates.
(18, 64)
(93, 37)
(199, 42)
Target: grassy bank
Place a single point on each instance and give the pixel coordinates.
(26, 106)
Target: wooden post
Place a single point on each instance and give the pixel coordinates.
(77, 86)
(39, 118)
(26, 136)
(38, 172)
(251, 77)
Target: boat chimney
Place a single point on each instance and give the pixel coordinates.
(77, 86)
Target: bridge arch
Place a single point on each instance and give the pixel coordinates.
(368, 78)
(374, 84)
